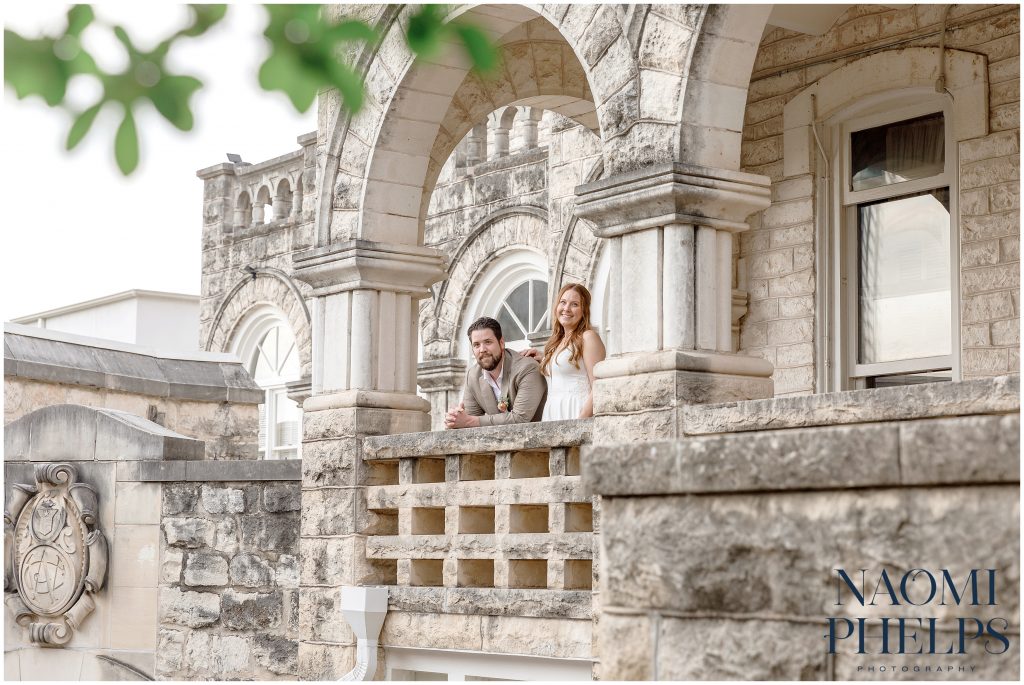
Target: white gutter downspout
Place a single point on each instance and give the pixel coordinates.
(364, 608)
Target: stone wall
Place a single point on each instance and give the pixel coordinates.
(263, 239)
(107, 449)
(766, 498)
(229, 575)
(205, 396)
(778, 252)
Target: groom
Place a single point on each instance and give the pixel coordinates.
(501, 387)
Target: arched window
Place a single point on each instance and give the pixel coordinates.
(513, 290)
(524, 311)
(266, 345)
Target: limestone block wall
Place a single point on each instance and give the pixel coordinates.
(228, 580)
(205, 396)
(109, 450)
(778, 252)
(256, 216)
(764, 499)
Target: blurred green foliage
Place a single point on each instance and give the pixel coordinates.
(304, 57)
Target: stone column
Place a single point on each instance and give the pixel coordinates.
(671, 230)
(476, 148)
(528, 125)
(281, 207)
(257, 213)
(364, 306)
(441, 381)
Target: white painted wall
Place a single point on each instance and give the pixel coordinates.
(167, 321)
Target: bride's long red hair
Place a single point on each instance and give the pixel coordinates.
(559, 334)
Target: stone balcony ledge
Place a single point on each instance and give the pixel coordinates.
(998, 395)
(964, 450)
(522, 436)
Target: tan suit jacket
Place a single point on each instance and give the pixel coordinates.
(521, 380)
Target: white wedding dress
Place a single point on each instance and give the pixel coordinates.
(568, 388)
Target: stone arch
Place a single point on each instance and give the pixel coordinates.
(504, 230)
(265, 286)
(565, 58)
(580, 249)
(714, 99)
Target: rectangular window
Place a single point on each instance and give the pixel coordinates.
(896, 281)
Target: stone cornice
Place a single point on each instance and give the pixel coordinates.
(363, 264)
(672, 194)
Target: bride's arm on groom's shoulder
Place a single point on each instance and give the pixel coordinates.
(530, 352)
(593, 352)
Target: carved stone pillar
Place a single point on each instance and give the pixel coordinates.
(671, 231)
(528, 125)
(281, 207)
(441, 381)
(257, 214)
(476, 145)
(364, 309)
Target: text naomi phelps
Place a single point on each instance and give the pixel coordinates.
(918, 588)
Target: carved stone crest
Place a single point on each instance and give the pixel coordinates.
(56, 557)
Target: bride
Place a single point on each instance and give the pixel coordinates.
(569, 357)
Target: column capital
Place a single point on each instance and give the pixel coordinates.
(368, 265)
(673, 193)
(440, 374)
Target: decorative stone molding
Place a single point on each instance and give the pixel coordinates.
(363, 264)
(56, 555)
(858, 82)
(672, 194)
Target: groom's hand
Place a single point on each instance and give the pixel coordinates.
(458, 418)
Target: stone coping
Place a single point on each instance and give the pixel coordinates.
(54, 357)
(211, 471)
(573, 604)
(516, 437)
(73, 432)
(998, 395)
(969, 450)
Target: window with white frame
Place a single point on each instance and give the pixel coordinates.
(514, 290)
(524, 311)
(896, 247)
(267, 347)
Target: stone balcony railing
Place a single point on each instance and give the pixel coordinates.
(492, 520)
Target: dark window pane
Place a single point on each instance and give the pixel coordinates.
(519, 301)
(540, 303)
(897, 152)
(510, 330)
(909, 379)
(903, 263)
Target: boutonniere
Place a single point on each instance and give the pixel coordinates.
(505, 404)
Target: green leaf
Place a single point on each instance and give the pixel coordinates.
(424, 32)
(203, 18)
(353, 30)
(350, 85)
(32, 68)
(126, 144)
(170, 97)
(284, 72)
(81, 126)
(479, 47)
(79, 16)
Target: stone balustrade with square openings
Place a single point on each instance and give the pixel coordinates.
(491, 517)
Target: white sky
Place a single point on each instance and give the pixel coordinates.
(74, 228)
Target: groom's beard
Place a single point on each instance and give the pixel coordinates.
(487, 362)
